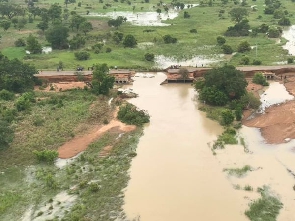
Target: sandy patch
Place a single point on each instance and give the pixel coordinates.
(79, 144)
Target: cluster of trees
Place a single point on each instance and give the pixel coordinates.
(226, 86)
(130, 114)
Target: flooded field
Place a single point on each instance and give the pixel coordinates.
(199, 61)
(289, 35)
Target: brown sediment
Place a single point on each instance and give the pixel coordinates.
(278, 122)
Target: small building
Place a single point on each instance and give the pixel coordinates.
(122, 76)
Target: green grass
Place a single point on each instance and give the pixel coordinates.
(188, 46)
(238, 172)
(14, 52)
(265, 208)
(59, 123)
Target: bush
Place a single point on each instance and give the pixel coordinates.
(227, 117)
(290, 60)
(220, 40)
(168, 39)
(20, 42)
(260, 79)
(250, 101)
(108, 50)
(244, 46)
(6, 134)
(213, 96)
(46, 156)
(82, 55)
(129, 114)
(6, 95)
(22, 104)
(149, 56)
(245, 60)
(227, 49)
(256, 62)
(193, 30)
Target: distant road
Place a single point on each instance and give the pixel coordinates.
(244, 68)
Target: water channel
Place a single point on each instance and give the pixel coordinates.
(175, 175)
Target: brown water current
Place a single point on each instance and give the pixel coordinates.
(175, 176)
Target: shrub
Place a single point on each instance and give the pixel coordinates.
(213, 96)
(256, 62)
(149, 56)
(22, 104)
(238, 113)
(82, 55)
(227, 49)
(290, 60)
(6, 95)
(244, 46)
(6, 134)
(108, 50)
(168, 39)
(20, 42)
(250, 101)
(46, 156)
(220, 40)
(129, 114)
(193, 30)
(227, 117)
(260, 79)
(245, 60)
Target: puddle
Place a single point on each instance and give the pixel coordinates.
(289, 34)
(199, 61)
(51, 210)
(60, 163)
(46, 50)
(275, 93)
(141, 18)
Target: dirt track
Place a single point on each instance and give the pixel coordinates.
(277, 124)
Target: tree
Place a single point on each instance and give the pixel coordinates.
(76, 21)
(244, 46)
(184, 73)
(58, 36)
(186, 15)
(5, 24)
(117, 22)
(260, 79)
(43, 25)
(10, 10)
(54, 12)
(33, 46)
(129, 41)
(228, 80)
(102, 81)
(16, 76)
(238, 14)
(77, 42)
(86, 27)
(21, 23)
(158, 11)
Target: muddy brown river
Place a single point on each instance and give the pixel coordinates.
(175, 176)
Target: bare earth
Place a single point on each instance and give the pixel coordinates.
(80, 143)
(278, 123)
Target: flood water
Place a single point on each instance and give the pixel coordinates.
(289, 35)
(175, 176)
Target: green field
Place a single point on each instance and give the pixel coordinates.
(206, 19)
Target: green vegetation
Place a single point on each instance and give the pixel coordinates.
(227, 137)
(102, 82)
(59, 25)
(238, 172)
(47, 156)
(130, 114)
(260, 79)
(265, 208)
